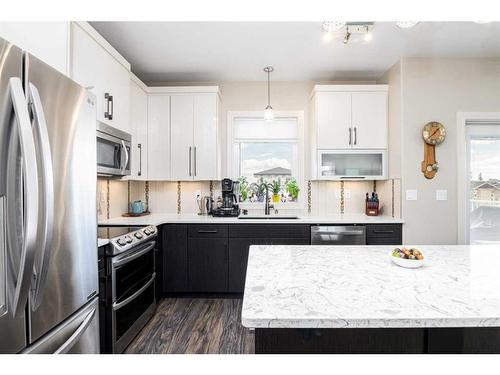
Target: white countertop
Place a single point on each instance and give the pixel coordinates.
(158, 219)
(359, 287)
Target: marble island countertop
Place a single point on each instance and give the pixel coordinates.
(359, 287)
(158, 219)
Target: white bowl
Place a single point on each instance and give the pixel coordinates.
(407, 263)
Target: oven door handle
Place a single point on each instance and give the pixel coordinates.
(126, 301)
(134, 255)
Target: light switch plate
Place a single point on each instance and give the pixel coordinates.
(441, 195)
(347, 194)
(337, 194)
(411, 195)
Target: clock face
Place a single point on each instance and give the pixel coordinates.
(434, 133)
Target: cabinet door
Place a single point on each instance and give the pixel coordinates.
(238, 257)
(48, 41)
(175, 258)
(139, 130)
(182, 113)
(333, 119)
(208, 265)
(369, 120)
(158, 137)
(205, 137)
(118, 85)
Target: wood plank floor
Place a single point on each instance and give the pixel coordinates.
(195, 326)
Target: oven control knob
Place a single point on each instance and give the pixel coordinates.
(121, 242)
(128, 239)
(147, 232)
(138, 235)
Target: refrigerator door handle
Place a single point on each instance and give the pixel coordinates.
(73, 339)
(46, 205)
(19, 293)
(125, 164)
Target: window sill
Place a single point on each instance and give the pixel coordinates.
(277, 206)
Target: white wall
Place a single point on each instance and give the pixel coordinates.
(435, 90)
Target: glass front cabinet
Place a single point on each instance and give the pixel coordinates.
(352, 164)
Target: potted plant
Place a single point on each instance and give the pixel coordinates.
(292, 188)
(243, 188)
(275, 187)
(259, 189)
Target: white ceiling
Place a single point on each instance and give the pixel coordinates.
(238, 51)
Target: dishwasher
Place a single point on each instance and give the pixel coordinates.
(338, 235)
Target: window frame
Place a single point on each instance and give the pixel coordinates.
(463, 183)
(299, 115)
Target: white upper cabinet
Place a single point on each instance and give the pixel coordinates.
(95, 64)
(158, 145)
(350, 116)
(333, 113)
(48, 41)
(181, 143)
(369, 120)
(205, 142)
(195, 137)
(139, 129)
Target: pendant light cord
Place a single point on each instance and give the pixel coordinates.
(268, 88)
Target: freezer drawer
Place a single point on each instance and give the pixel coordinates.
(79, 334)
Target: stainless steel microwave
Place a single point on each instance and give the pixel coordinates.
(113, 151)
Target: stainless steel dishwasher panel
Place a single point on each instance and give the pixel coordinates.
(338, 235)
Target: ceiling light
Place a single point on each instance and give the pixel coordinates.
(406, 24)
(368, 37)
(332, 26)
(268, 112)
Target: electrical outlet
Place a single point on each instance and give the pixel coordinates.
(441, 195)
(347, 194)
(337, 194)
(411, 195)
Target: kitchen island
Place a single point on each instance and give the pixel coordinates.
(353, 299)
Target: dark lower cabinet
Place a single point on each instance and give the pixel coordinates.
(208, 265)
(238, 257)
(384, 234)
(175, 258)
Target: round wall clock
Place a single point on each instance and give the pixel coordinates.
(434, 133)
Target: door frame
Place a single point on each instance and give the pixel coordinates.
(462, 168)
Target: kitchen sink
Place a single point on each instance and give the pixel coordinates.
(267, 217)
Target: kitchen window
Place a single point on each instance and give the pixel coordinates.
(267, 152)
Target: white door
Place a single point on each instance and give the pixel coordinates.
(369, 120)
(205, 137)
(182, 117)
(158, 137)
(333, 118)
(139, 130)
(483, 183)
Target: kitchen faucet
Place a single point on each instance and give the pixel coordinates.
(267, 206)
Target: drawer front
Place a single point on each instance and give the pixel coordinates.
(383, 230)
(269, 231)
(207, 230)
(384, 241)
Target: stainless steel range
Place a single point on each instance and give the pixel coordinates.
(126, 284)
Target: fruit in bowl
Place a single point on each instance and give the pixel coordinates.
(408, 258)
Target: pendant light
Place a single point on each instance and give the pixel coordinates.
(268, 112)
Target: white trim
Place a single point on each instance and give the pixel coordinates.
(85, 26)
(168, 90)
(349, 88)
(138, 82)
(299, 115)
(462, 168)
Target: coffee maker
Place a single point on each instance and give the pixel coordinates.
(230, 193)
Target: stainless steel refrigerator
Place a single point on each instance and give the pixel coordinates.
(48, 224)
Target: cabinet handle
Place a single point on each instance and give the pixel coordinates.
(350, 136)
(112, 107)
(189, 160)
(109, 106)
(139, 146)
(383, 231)
(355, 136)
(194, 157)
(207, 231)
